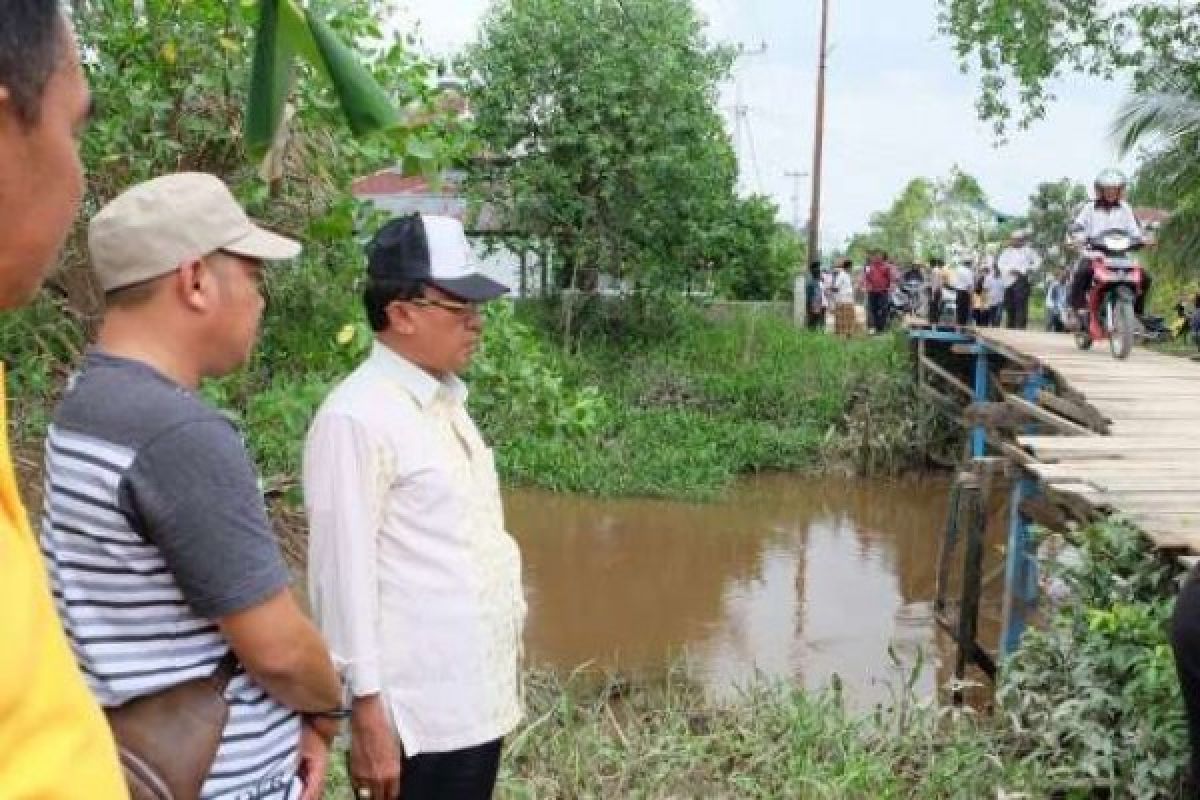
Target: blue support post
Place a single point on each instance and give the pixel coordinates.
(978, 440)
(1020, 569)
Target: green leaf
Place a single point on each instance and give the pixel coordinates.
(363, 101)
(269, 78)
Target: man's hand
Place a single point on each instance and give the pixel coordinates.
(374, 751)
(316, 737)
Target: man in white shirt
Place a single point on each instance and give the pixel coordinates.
(842, 290)
(1016, 262)
(962, 281)
(414, 580)
(1108, 212)
(995, 295)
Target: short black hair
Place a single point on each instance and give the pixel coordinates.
(32, 38)
(380, 294)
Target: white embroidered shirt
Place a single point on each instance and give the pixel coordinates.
(414, 581)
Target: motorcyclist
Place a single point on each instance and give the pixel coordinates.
(1107, 212)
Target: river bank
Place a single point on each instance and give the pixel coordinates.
(1089, 703)
(670, 402)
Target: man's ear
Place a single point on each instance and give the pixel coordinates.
(400, 318)
(196, 284)
(8, 113)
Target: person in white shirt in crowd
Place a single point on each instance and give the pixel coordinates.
(415, 582)
(1056, 302)
(995, 294)
(1017, 262)
(962, 281)
(842, 290)
(1107, 212)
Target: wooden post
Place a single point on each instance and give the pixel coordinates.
(946, 549)
(968, 609)
(814, 209)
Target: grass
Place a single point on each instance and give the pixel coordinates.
(617, 740)
(686, 412)
(654, 400)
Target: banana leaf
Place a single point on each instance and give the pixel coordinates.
(285, 31)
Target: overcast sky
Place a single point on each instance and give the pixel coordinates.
(897, 105)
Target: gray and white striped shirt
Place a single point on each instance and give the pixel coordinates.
(154, 527)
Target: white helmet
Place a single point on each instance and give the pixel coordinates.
(1111, 179)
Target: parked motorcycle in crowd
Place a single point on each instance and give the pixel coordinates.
(907, 298)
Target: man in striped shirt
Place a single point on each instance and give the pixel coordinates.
(155, 534)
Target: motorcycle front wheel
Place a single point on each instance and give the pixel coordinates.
(1121, 322)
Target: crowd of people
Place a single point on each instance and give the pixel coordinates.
(995, 295)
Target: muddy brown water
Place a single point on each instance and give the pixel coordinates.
(787, 577)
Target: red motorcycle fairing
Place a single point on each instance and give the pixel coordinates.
(1106, 277)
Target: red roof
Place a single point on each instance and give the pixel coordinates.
(1151, 216)
(391, 182)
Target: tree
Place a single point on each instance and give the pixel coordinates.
(903, 229)
(605, 140)
(964, 222)
(1020, 46)
(1169, 175)
(930, 219)
(171, 101)
(1052, 207)
(759, 256)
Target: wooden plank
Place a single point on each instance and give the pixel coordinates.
(1146, 502)
(1060, 424)
(945, 375)
(1065, 469)
(1167, 443)
(1082, 413)
(1116, 483)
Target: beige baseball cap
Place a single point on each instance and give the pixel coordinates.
(154, 227)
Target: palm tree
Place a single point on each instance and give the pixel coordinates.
(1167, 125)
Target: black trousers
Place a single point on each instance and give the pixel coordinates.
(1081, 281)
(1185, 641)
(877, 310)
(468, 774)
(1016, 303)
(962, 306)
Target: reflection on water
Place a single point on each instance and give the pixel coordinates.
(788, 577)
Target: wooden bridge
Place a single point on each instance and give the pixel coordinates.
(1072, 435)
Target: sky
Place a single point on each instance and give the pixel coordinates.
(897, 105)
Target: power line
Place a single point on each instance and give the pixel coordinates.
(758, 181)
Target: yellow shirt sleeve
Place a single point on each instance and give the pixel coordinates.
(54, 741)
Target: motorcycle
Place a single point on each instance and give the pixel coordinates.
(910, 297)
(1116, 280)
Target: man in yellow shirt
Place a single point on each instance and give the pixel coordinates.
(54, 743)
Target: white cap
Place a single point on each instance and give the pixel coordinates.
(154, 227)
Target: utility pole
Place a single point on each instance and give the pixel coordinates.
(797, 177)
(814, 218)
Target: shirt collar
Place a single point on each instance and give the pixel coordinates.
(417, 382)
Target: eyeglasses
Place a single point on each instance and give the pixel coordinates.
(453, 306)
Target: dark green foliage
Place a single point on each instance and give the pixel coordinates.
(686, 403)
(1093, 694)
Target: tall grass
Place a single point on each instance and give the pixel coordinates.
(688, 408)
(580, 740)
(651, 397)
